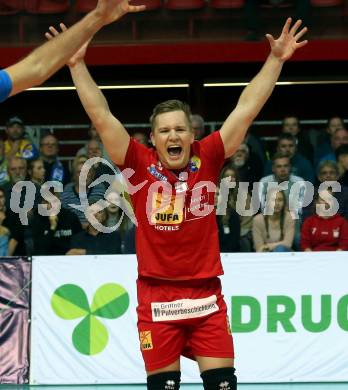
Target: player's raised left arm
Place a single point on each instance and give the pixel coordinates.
(260, 88)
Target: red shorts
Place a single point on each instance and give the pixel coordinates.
(186, 318)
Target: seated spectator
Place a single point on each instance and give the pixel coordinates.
(281, 168)
(342, 162)
(17, 171)
(229, 222)
(17, 145)
(248, 165)
(93, 135)
(338, 138)
(79, 159)
(94, 242)
(324, 231)
(275, 232)
(129, 241)
(4, 178)
(54, 169)
(229, 231)
(72, 195)
(52, 234)
(323, 140)
(117, 217)
(198, 126)
(16, 231)
(115, 214)
(244, 224)
(328, 172)
(36, 173)
(291, 125)
(300, 166)
(4, 236)
(334, 123)
(95, 149)
(255, 146)
(4, 231)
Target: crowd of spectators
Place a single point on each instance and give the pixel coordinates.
(302, 194)
(283, 201)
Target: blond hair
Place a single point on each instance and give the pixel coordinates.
(169, 106)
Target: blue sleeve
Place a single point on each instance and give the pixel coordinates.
(5, 85)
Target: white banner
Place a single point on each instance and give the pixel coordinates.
(289, 316)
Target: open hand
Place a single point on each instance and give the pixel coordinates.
(287, 43)
(79, 55)
(112, 10)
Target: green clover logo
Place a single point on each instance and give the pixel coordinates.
(90, 336)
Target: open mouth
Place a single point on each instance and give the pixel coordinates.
(174, 151)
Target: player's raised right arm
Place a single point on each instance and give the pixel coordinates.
(112, 133)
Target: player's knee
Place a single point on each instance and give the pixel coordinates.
(219, 379)
(169, 380)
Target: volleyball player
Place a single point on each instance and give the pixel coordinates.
(181, 310)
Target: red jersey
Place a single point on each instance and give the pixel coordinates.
(177, 235)
(320, 234)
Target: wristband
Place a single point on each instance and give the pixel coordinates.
(5, 85)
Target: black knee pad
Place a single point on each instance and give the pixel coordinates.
(169, 380)
(219, 379)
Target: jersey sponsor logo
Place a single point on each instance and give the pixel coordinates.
(145, 338)
(167, 209)
(183, 309)
(194, 164)
(166, 228)
(154, 172)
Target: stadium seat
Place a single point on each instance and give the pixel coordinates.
(46, 6)
(11, 7)
(184, 4)
(326, 3)
(225, 4)
(150, 4)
